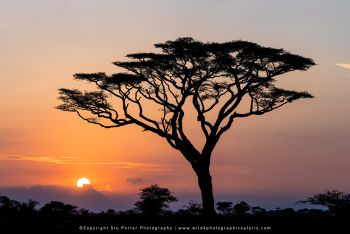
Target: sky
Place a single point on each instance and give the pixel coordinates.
(296, 151)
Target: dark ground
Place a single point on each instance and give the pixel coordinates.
(174, 223)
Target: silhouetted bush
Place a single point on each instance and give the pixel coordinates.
(225, 208)
(338, 203)
(288, 212)
(56, 208)
(258, 211)
(192, 209)
(317, 213)
(154, 200)
(10, 207)
(241, 208)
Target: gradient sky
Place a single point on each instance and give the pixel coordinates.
(302, 148)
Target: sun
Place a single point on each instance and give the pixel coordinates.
(82, 181)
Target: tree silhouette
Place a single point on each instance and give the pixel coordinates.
(219, 82)
(154, 200)
(286, 212)
(338, 203)
(57, 208)
(28, 208)
(191, 209)
(8, 206)
(58, 217)
(241, 208)
(224, 207)
(256, 210)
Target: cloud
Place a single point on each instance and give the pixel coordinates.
(135, 180)
(76, 161)
(343, 65)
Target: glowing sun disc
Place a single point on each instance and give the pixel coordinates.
(82, 181)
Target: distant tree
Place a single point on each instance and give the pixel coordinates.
(129, 212)
(225, 208)
(219, 82)
(241, 208)
(110, 213)
(338, 203)
(257, 211)
(11, 207)
(192, 209)
(286, 212)
(84, 212)
(29, 207)
(8, 206)
(310, 212)
(56, 208)
(154, 200)
(7, 203)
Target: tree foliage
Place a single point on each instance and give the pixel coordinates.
(225, 208)
(337, 202)
(57, 208)
(209, 76)
(154, 200)
(241, 208)
(10, 207)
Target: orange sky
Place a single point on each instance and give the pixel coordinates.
(302, 147)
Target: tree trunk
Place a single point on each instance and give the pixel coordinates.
(205, 185)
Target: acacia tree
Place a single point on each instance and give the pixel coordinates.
(154, 200)
(338, 203)
(220, 82)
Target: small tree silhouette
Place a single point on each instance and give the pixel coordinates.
(7, 203)
(256, 210)
(338, 203)
(241, 208)
(57, 208)
(193, 208)
(28, 208)
(9, 207)
(154, 200)
(219, 82)
(13, 207)
(225, 208)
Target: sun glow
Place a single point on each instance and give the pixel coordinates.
(82, 181)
